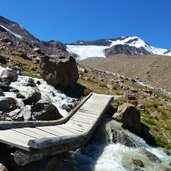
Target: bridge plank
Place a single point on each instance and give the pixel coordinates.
(81, 120)
(82, 114)
(83, 117)
(78, 127)
(29, 133)
(39, 132)
(56, 130)
(65, 127)
(13, 138)
(34, 132)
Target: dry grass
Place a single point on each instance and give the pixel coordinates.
(155, 70)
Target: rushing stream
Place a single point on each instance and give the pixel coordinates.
(48, 93)
(101, 154)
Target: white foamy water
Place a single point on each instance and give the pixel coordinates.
(117, 157)
(48, 93)
(103, 156)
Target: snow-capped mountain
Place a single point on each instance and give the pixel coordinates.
(127, 45)
(15, 34)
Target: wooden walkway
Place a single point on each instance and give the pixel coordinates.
(41, 141)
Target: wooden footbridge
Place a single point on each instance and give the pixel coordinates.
(35, 140)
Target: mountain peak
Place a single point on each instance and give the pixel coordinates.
(128, 45)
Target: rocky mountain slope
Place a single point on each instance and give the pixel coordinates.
(132, 46)
(15, 35)
(153, 70)
(16, 30)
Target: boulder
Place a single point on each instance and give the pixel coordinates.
(45, 111)
(16, 69)
(129, 96)
(30, 83)
(33, 97)
(3, 60)
(59, 70)
(129, 116)
(7, 103)
(9, 75)
(4, 86)
(20, 96)
(65, 107)
(138, 162)
(37, 50)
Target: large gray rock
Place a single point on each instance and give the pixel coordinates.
(9, 75)
(45, 111)
(33, 97)
(129, 116)
(59, 70)
(7, 104)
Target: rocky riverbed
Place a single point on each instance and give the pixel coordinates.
(26, 98)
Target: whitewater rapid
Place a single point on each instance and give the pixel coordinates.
(101, 154)
(48, 93)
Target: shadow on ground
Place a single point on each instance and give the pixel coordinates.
(75, 91)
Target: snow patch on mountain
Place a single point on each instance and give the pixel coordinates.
(87, 51)
(8, 30)
(159, 51)
(138, 42)
(131, 41)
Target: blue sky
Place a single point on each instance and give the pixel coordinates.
(72, 20)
